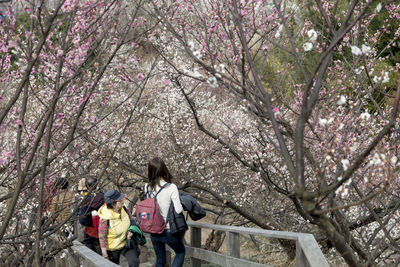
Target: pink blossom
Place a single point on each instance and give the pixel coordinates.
(212, 29)
(19, 122)
(12, 43)
(140, 76)
(60, 52)
(167, 82)
(7, 154)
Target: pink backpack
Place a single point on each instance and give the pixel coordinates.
(148, 214)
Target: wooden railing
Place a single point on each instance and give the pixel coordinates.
(308, 253)
(79, 255)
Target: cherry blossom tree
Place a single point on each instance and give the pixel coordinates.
(316, 98)
(283, 112)
(68, 69)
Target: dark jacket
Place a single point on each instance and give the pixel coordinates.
(177, 222)
(85, 216)
(190, 204)
(92, 203)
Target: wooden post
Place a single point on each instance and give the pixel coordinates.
(72, 259)
(195, 241)
(233, 244)
(301, 260)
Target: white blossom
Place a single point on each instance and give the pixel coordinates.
(386, 77)
(365, 115)
(278, 33)
(195, 73)
(377, 79)
(307, 46)
(379, 7)
(393, 160)
(359, 70)
(354, 148)
(365, 49)
(323, 122)
(212, 81)
(345, 163)
(339, 190)
(197, 54)
(312, 35)
(222, 68)
(277, 114)
(342, 100)
(342, 191)
(348, 182)
(345, 192)
(191, 45)
(376, 159)
(356, 51)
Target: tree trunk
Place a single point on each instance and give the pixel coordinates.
(338, 241)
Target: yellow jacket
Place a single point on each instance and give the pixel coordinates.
(118, 225)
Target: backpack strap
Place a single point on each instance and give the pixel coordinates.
(149, 192)
(145, 189)
(126, 210)
(162, 187)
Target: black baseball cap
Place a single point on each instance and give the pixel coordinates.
(113, 195)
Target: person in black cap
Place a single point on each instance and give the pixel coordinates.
(88, 214)
(115, 220)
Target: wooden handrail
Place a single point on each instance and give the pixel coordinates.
(308, 253)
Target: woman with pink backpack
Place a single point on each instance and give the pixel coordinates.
(161, 188)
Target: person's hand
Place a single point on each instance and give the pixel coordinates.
(130, 234)
(104, 253)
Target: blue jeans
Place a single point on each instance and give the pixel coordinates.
(174, 242)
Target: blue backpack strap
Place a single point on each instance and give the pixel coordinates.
(162, 187)
(149, 193)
